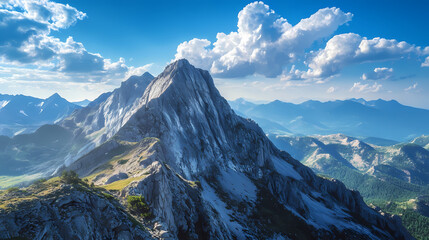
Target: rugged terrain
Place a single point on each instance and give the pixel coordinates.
(403, 169)
(207, 173)
(57, 210)
(393, 177)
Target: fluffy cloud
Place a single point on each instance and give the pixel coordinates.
(264, 42)
(346, 49)
(378, 74)
(26, 41)
(25, 27)
(365, 88)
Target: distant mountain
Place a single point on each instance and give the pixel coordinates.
(24, 114)
(331, 154)
(354, 117)
(393, 177)
(380, 141)
(422, 141)
(82, 103)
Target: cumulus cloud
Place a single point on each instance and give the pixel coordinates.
(346, 49)
(26, 40)
(25, 27)
(365, 88)
(378, 74)
(264, 42)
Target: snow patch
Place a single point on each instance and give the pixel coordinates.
(284, 168)
(323, 217)
(209, 195)
(23, 113)
(238, 185)
(19, 132)
(4, 103)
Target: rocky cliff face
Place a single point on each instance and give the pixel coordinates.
(207, 173)
(103, 117)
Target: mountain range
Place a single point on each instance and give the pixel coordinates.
(376, 119)
(167, 158)
(395, 177)
(343, 157)
(24, 114)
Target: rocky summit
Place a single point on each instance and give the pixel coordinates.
(203, 172)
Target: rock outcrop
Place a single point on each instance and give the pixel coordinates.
(63, 211)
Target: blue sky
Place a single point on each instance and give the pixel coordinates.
(100, 43)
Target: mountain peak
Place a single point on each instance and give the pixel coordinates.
(55, 96)
(177, 65)
(180, 78)
(146, 74)
(181, 63)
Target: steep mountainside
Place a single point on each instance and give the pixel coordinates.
(24, 114)
(208, 173)
(103, 117)
(353, 117)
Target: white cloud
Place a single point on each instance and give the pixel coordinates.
(138, 71)
(26, 41)
(379, 74)
(346, 49)
(25, 27)
(264, 42)
(330, 89)
(412, 87)
(426, 62)
(365, 88)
